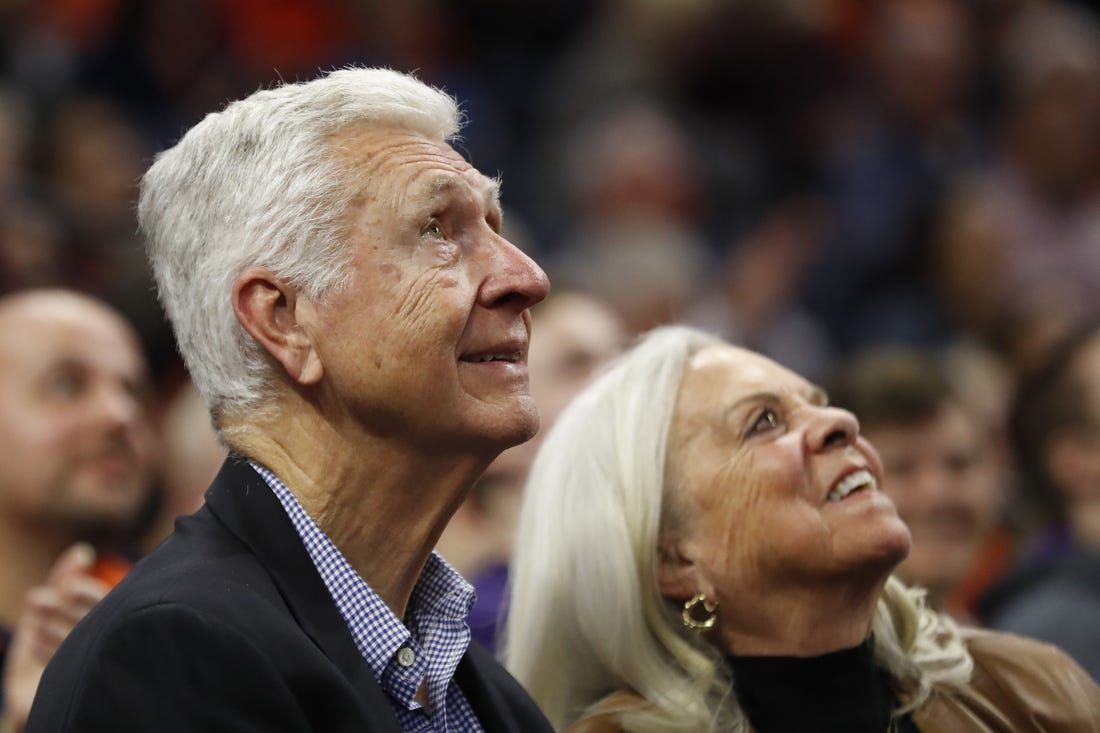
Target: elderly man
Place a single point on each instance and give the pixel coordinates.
(77, 451)
(358, 327)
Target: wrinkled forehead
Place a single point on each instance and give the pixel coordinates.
(718, 375)
(401, 167)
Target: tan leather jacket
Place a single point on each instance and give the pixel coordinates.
(1019, 686)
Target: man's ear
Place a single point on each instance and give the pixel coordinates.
(272, 312)
(677, 575)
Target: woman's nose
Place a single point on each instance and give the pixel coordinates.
(833, 427)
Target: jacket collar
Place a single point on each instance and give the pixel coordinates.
(242, 500)
(244, 503)
(474, 676)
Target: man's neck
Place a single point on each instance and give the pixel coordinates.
(382, 505)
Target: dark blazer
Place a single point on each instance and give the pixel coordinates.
(228, 627)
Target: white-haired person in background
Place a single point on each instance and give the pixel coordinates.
(358, 328)
(703, 547)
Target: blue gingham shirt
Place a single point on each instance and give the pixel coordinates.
(401, 657)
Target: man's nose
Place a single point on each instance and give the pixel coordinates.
(515, 279)
(117, 405)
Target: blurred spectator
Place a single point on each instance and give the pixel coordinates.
(905, 129)
(31, 238)
(32, 244)
(16, 123)
(92, 162)
(635, 238)
(608, 76)
(79, 453)
(1020, 246)
(94, 158)
(577, 335)
(1054, 593)
(944, 467)
(754, 300)
(192, 455)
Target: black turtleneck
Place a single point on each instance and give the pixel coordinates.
(839, 692)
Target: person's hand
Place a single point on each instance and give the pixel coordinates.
(769, 262)
(50, 612)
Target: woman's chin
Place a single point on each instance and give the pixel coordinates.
(894, 546)
(883, 552)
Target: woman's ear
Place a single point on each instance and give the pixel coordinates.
(677, 575)
(273, 313)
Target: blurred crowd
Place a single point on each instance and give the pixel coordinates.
(809, 177)
(818, 180)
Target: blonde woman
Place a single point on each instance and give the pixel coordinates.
(703, 547)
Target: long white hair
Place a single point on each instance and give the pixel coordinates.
(258, 184)
(586, 616)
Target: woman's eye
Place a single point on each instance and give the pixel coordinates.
(765, 421)
(433, 230)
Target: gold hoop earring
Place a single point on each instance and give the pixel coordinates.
(688, 615)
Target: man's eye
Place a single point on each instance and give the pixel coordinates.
(63, 383)
(433, 230)
(960, 462)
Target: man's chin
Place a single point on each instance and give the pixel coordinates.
(525, 427)
(512, 423)
(100, 508)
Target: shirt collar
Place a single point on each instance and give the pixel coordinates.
(440, 592)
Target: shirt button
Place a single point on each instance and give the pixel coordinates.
(405, 657)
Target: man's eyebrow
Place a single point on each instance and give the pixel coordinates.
(441, 185)
(493, 186)
(427, 192)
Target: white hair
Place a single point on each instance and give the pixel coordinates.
(259, 184)
(586, 616)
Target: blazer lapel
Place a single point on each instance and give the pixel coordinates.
(479, 677)
(243, 501)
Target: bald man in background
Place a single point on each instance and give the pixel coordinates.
(78, 451)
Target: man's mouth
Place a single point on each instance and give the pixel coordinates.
(861, 480)
(510, 357)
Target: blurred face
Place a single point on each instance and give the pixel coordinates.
(576, 336)
(774, 489)
(942, 475)
(74, 426)
(428, 343)
(921, 55)
(1073, 458)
